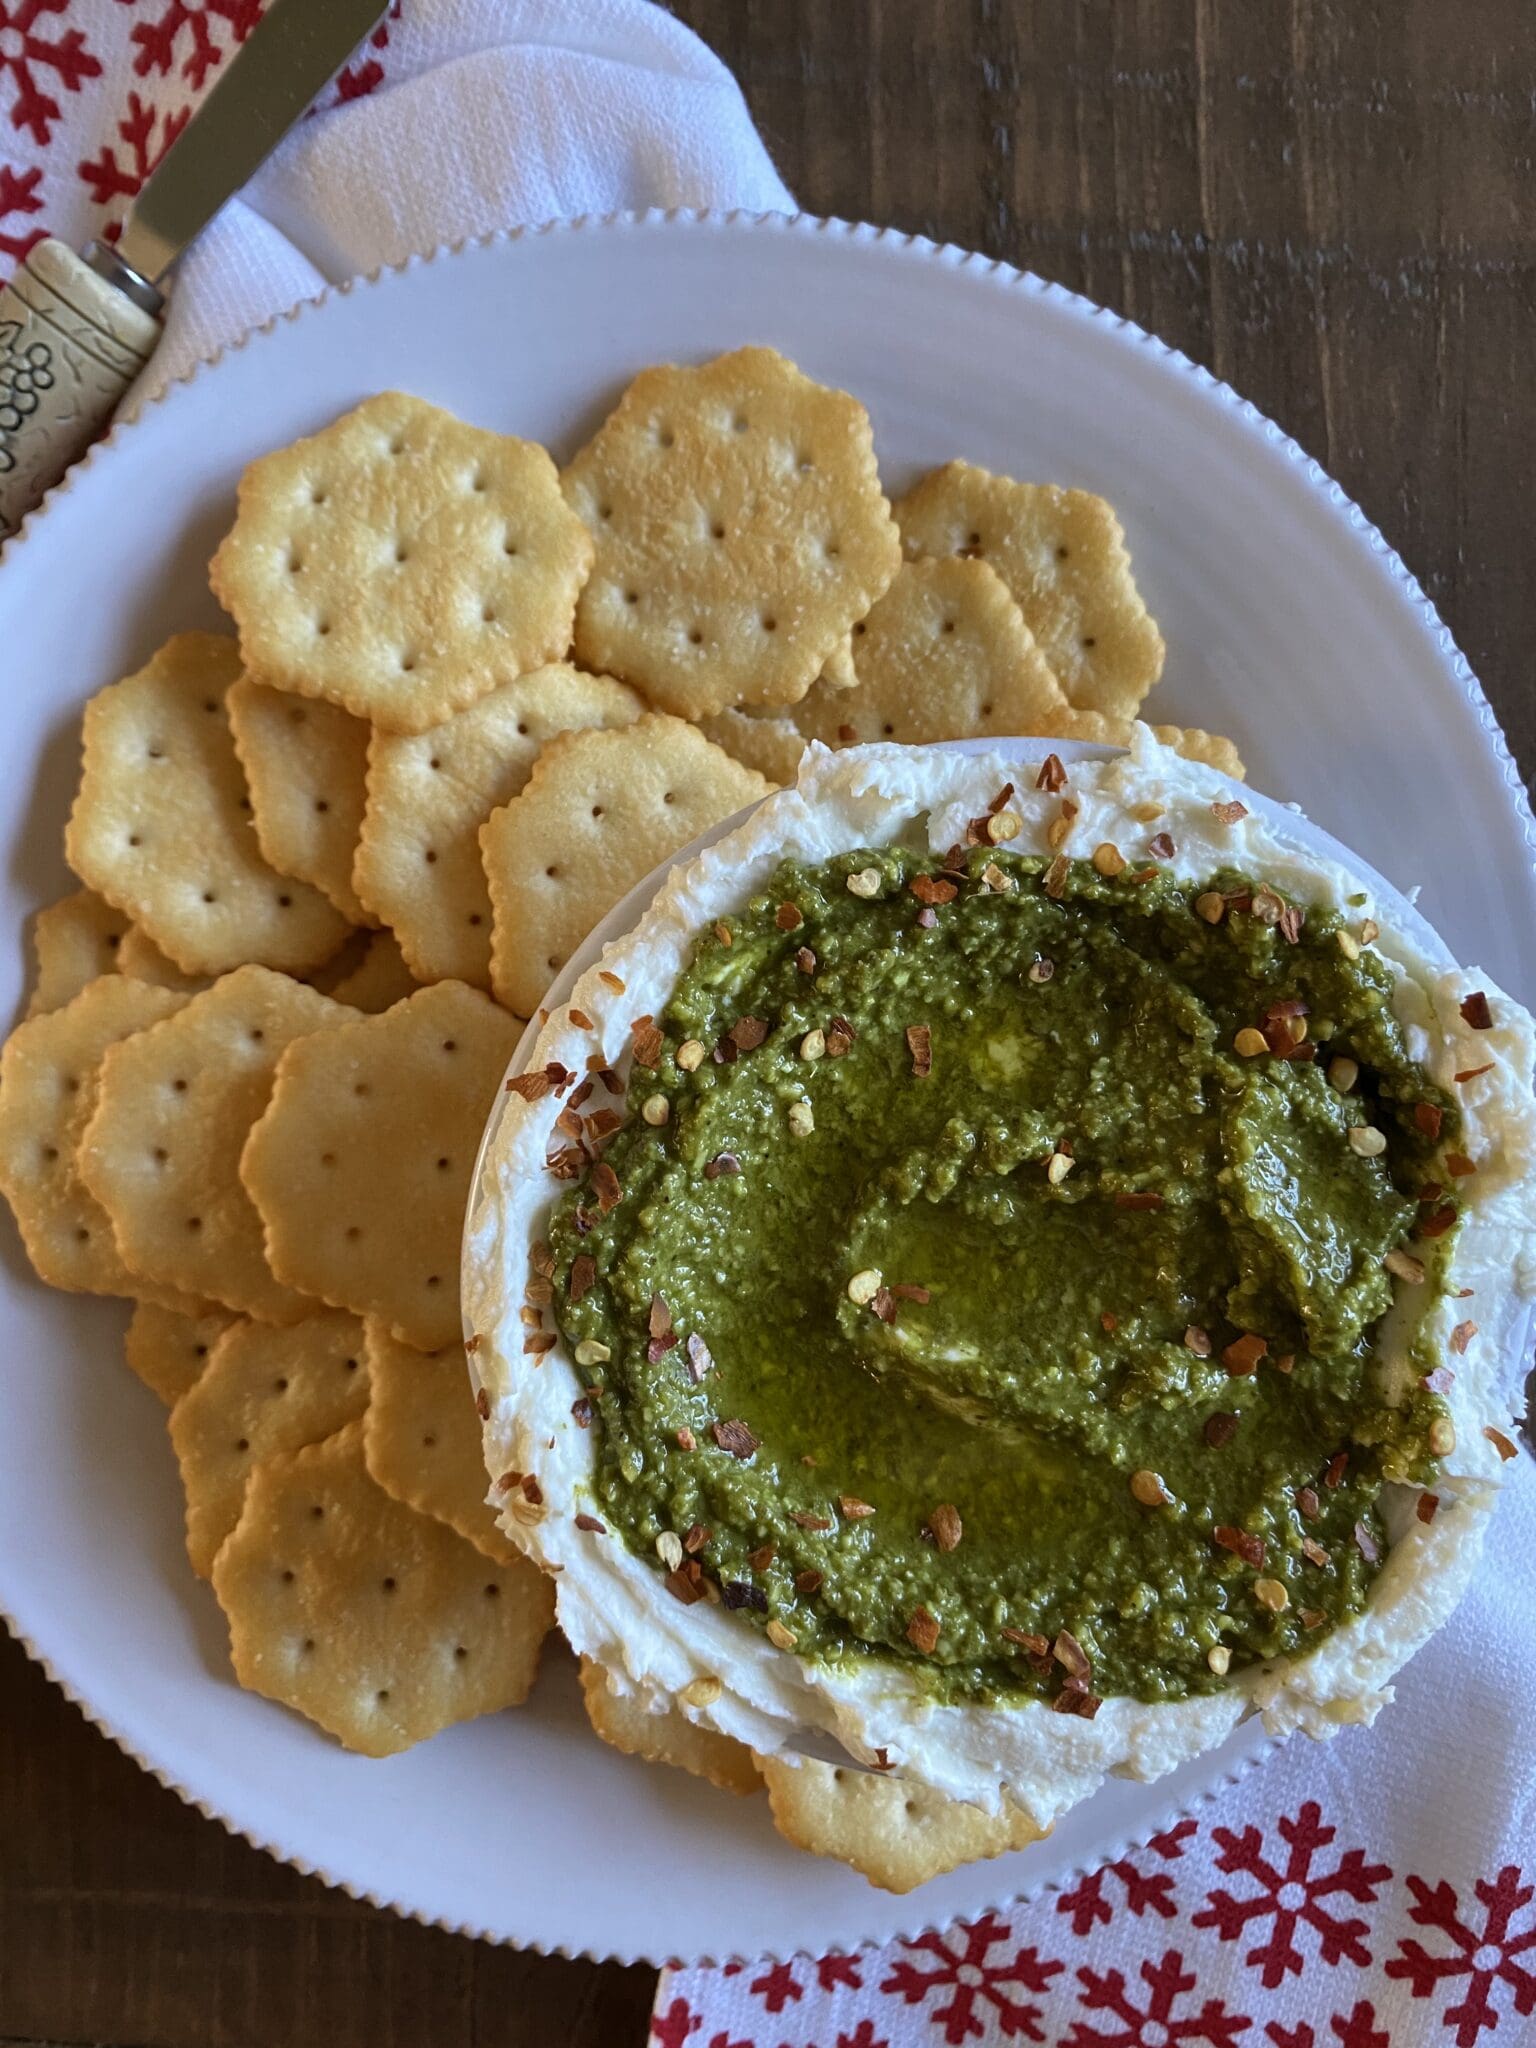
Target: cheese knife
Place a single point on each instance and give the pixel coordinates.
(75, 330)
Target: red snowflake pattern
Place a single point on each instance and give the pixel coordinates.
(1293, 1895)
(155, 43)
(972, 1981)
(863, 2036)
(1357, 2029)
(1144, 1892)
(28, 55)
(680, 2022)
(364, 74)
(777, 1986)
(146, 136)
(1485, 1958)
(834, 1973)
(19, 195)
(1157, 2024)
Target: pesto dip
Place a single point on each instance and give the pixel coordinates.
(985, 1277)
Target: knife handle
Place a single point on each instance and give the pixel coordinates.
(70, 346)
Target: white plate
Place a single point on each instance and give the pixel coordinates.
(1290, 624)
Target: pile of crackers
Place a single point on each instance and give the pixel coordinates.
(330, 860)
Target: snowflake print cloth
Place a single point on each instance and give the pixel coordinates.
(1376, 1891)
(457, 117)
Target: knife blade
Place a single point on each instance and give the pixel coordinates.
(76, 330)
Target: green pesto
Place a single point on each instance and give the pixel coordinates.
(1049, 1363)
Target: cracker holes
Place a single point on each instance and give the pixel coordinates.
(179, 1086)
(50, 1154)
(522, 729)
(717, 531)
(443, 1165)
(859, 629)
(435, 764)
(1062, 552)
(669, 796)
(475, 920)
(986, 710)
(316, 1511)
(407, 663)
(889, 731)
(429, 1442)
(134, 839)
(388, 1585)
(295, 563)
(948, 626)
(322, 627)
(382, 1695)
(769, 623)
(194, 1224)
(695, 637)
(402, 551)
(154, 753)
(351, 1364)
(459, 1653)
(973, 541)
(322, 805)
(318, 494)
(430, 856)
(352, 1233)
(258, 1036)
(597, 810)
(242, 1444)
(361, 1088)
(488, 615)
(397, 444)
(307, 1646)
(82, 1235)
(285, 902)
(450, 1045)
(327, 1158)
(664, 435)
(160, 1155)
(804, 464)
(492, 1591)
(631, 597)
(477, 481)
(434, 1280)
(508, 545)
(280, 1386)
(605, 512)
(287, 1576)
(210, 896)
(210, 703)
(1090, 640)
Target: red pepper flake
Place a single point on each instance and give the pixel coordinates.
(1072, 1657)
(1366, 1544)
(1285, 1363)
(1144, 875)
(1161, 847)
(560, 1077)
(1228, 814)
(1037, 1646)
(1338, 1465)
(1054, 882)
(482, 1404)
(533, 1493)
(1219, 1429)
(1431, 1192)
(540, 1344)
(1314, 1552)
(1239, 899)
(1471, 1073)
(602, 1124)
(1461, 1337)
(1292, 918)
(696, 1538)
(808, 1582)
(803, 1520)
(1242, 1356)
(610, 1080)
(1198, 1341)
(686, 1440)
(1108, 1322)
(1442, 1379)
(933, 889)
(592, 1524)
(1428, 1117)
(507, 1481)
(734, 1436)
(805, 960)
(583, 1276)
(761, 1558)
(724, 933)
(946, 1526)
(659, 1320)
(1458, 1165)
(1307, 1503)
(923, 1631)
(1438, 1222)
(580, 1019)
(840, 1035)
(605, 1185)
(700, 1359)
(1000, 799)
(788, 917)
(610, 980)
(1428, 1506)
(581, 1411)
(724, 1164)
(568, 1123)
(1076, 1699)
(1475, 1011)
(1312, 1617)
(905, 1290)
(1147, 1199)
(852, 1508)
(1052, 776)
(529, 1086)
(1249, 1548)
(1500, 1442)
(685, 1584)
(927, 918)
(646, 1041)
(748, 1033)
(920, 1045)
(581, 1093)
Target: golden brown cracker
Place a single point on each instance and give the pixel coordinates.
(361, 1164)
(622, 1721)
(1062, 554)
(379, 979)
(376, 1622)
(161, 825)
(73, 941)
(418, 863)
(262, 1391)
(306, 766)
(48, 1077)
(401, 563)
(422, 1437)
(139, 956)
(740, 530)
(599, 811)
(944, 655)
(168, 1349)
(838, 671)
(174, 1107)
(895, 1833)
(773, 746)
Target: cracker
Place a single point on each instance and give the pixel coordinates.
(73, 941)
(898, 1835)
(740, 530)
(600, 810)
(139, 956)
(401, 563)
(161, 825)
(422, 1437)
(1062, 553)
(838, 671)
(944, 655)
(373, 1620)
(174, 1107)
(773, 746)
(623, 1722)
(418, 863)
(306, 764)
(168, 1349)
(1195, 744)
(48, 1077)
(361, 1164)
(379, 979)
(263, 1391)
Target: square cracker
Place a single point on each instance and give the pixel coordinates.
(401, 563)
(625, 1723)
(418, 862)
(379, 979)
(373, 1620)
(168, 1350)
(306, 764)
(945, 654)
(73, 941)
(421, 1437)
(361, 1164)
(161, 824)
(1063, 555)
(895, 1833)
(174, 1107)
(262, 1391)
(740, 530)
(48, 1077)
(599, 811)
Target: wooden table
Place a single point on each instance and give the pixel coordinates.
(1328, 204)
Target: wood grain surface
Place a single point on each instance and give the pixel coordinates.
(1327, 204)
